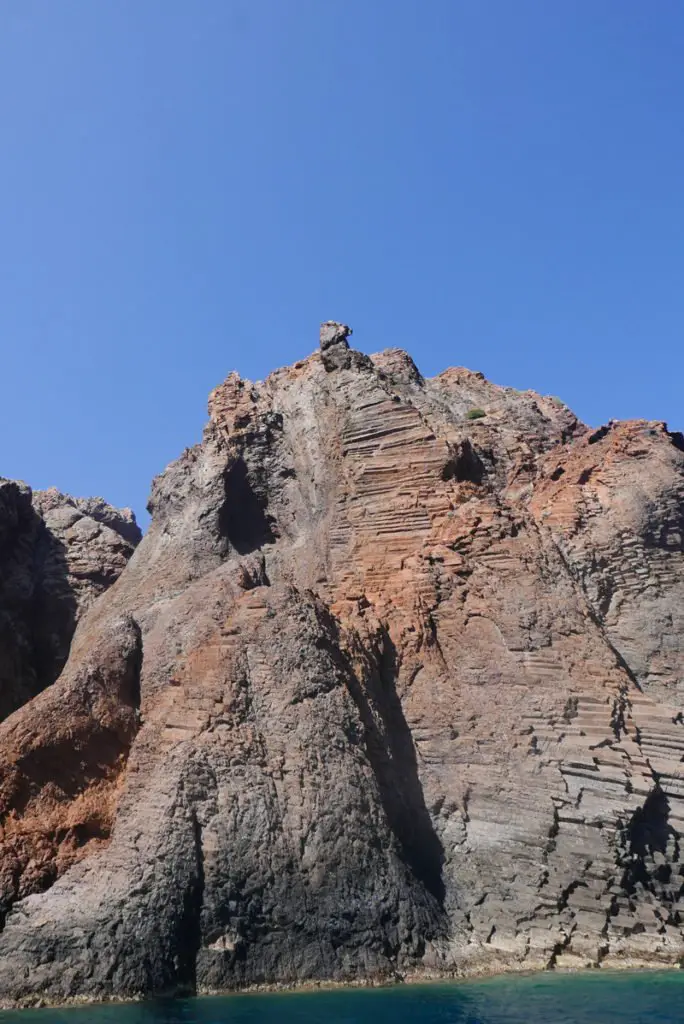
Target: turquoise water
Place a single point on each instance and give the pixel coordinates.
(624, 998)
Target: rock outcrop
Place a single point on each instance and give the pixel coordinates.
(57, 554)
(394, 685)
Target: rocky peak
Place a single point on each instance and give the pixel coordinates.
(334, 345)
(333, 333)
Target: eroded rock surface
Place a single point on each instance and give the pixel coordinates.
(57, 555)
(409, 664)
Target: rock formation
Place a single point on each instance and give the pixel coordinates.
(393, 686)
(57, 554)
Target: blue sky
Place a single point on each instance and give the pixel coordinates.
(189, 188)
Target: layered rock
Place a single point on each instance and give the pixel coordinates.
(409, 669)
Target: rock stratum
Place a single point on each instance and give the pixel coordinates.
(392, 687)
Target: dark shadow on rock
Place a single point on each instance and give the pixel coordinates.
(651, 849)
(54, 608)
(189, 922)
(243, 519)
(392, 757)
(37, 604)
(465, 465)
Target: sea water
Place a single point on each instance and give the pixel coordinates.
(600, 998)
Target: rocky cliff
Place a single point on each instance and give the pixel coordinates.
(393, 686)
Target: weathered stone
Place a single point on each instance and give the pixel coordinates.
(398, 710)
(335, 353)
(57, 555)
(332, 333)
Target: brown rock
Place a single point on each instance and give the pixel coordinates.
(410, 694)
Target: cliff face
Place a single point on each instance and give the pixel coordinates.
(392, 685)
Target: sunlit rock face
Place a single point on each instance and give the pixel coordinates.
(392, 686)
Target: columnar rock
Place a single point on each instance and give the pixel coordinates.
(393, 686)
(57, 554)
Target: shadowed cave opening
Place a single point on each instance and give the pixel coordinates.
(243, 519)
(465, 465)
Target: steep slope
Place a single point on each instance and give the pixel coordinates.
(409, 667)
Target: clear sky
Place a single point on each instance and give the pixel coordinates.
(189, 186)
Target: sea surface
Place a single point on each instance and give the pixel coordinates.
(601, 998)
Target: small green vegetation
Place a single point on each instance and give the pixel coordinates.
(475, 414)
(557, 401)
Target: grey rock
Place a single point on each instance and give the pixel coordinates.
(333, 333)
